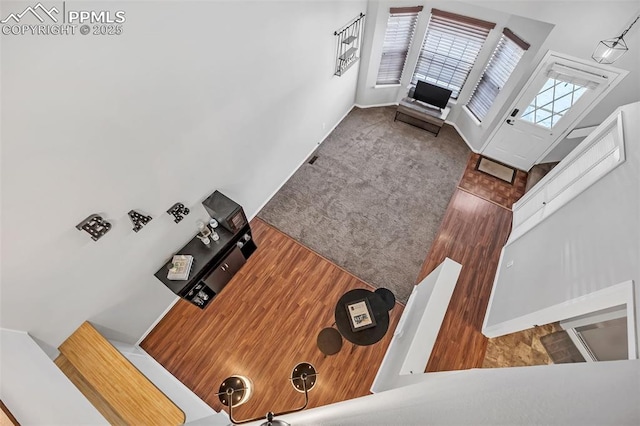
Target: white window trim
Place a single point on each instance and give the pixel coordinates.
(414, 15)
(616, 295)
(386, 86)
(473, 118)
(439, 14)
(507, 42)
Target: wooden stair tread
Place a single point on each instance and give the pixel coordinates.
(119, 384)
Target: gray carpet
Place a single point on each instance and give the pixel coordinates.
(373, 200)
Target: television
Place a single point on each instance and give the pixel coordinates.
(431, 94)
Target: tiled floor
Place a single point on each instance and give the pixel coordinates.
(519, 349)
(490, 188)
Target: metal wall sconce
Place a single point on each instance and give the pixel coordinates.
(610, 50)
(95, 226)
(178, 211)
(138, 219)
(236, 390)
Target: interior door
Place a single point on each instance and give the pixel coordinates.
(560, 92)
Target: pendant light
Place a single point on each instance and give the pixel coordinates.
(610, 50)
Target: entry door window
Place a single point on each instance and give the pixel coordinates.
(552, 102)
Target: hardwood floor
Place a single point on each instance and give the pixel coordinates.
(268, 317)
(472, 233)
(265, 322)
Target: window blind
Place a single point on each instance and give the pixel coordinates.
(450, 49)
(401, 25)
(574, 76)
(503, 61)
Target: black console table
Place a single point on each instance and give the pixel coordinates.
(213, 266)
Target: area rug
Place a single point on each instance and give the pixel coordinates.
(374, 197)
(496, 169)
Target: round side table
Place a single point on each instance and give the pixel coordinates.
(329, 341)
(388, 297)
(379, 311)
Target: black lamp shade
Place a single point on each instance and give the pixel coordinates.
(235, 389)
(301, 373)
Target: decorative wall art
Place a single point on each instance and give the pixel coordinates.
(138, 219)
(348, 44)
(95, 226)
(178, 211)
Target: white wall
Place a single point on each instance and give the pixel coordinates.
(35, 390)
(561, 150)
(595, 393)
(475, 133)
(591, 243)
(579, 25)
(189, 99)
(570, 27)
(413, 340)
(378, 13)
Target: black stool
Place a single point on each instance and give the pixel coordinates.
(387, 296)
(329, 341)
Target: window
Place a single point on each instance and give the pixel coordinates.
(450, 49)
(400, 28)
(504, 60)
(563, 88)
(552, 102)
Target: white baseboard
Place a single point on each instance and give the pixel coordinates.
(455, 126)
(451, 123)
(304, 160)
(153, 325)
(376, 106)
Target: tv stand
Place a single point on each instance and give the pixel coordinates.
(422, 115)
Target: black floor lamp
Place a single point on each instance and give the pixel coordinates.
(236, 390)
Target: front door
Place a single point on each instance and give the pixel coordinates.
(560, 92)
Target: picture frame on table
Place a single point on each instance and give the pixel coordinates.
(360, 315)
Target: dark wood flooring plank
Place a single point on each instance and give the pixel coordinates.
(268, 318)
(472, 233)
(265, 322)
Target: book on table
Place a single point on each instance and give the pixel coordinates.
(360, 315)
(181, 266)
